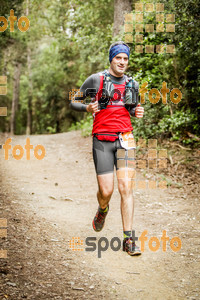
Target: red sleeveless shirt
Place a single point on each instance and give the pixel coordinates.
(115, 118)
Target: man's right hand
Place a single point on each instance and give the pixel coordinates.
(93, 107)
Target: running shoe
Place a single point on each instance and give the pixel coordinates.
(99, 220)
(130, 247)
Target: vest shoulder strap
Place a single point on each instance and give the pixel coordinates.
(132, 83)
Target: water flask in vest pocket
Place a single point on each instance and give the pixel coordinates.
(107, 94)
(131, 93)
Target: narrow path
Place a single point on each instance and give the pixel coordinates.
(48, 202)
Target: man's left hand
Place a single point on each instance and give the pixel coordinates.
(139, 111)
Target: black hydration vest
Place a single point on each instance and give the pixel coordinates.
(131, 91)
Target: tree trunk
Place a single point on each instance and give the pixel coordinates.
(30, 89)
(29, 109)
(120, 8)
(15, 99)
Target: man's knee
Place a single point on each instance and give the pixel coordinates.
(124, 187)
(106, 185)
(106, 193)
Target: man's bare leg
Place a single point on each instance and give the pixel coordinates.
(106, 185)
(127, 202)
(127, 210)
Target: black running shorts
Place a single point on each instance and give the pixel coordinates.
(105, 155)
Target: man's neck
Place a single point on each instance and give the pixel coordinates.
(114, 74)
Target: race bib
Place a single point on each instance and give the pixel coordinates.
(127, 140)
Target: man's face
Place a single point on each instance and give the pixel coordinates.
(119, 64)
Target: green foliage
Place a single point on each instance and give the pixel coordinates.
(10, 46)
(84, 125)
(69, 40)
(179, 70)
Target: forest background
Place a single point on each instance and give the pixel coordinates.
(69, 40)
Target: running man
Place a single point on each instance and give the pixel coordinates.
(115, 98)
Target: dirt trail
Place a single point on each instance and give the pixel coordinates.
(48, 202)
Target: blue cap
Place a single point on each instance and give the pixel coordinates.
(116, 49)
